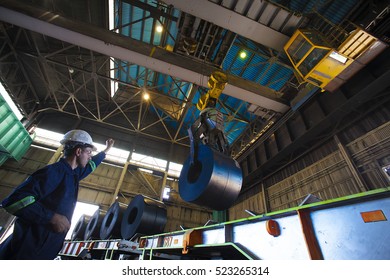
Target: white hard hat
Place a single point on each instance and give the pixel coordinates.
(78, 135)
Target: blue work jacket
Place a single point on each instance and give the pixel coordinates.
(52, 189)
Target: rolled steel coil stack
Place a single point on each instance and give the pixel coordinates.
(79, 229)
(143, 216)
(111, 224)
(93, 228)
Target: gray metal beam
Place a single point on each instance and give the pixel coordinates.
(124, 48)
(232, 21)
(154, 11)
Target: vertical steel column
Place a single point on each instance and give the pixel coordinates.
(56, 155)
(163, 183)
(352, 167)
(121, 178)
(265, 199)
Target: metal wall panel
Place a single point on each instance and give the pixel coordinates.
(370, 153)
(329, 101)
(299, 164)
(252, 164)
(312, 114)
(324, 172)
(244, 168)
(327, 178)
(271, 146)
(261, 154)
(178, 216)
(13, 173)
(283, 137)
(254, 204)
(297, 126)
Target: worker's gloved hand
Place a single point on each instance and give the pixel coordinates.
(59, 223)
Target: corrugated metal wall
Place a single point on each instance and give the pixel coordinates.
(327, 178)
(13, 173)
(370, 153)
(185, 217)
(335, 169)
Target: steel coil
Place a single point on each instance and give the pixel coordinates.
(213, 181)
(79, 229)
(111, 224)
(93, 228)
(143, 216)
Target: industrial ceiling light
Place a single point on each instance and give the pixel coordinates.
(146, 96)
(243, 54)
(338, 57)
(166, 192)
(159, 28)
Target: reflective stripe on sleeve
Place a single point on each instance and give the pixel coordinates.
(20, 204)
(93, 165)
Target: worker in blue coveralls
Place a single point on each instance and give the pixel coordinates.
(44, 203)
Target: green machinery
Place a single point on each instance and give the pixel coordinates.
(354, 227)
(14, 138)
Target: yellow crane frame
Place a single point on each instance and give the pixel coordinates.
(316, 62)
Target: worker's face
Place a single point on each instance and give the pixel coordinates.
(83, 156)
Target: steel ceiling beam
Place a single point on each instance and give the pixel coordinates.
(155, 12)
(232, 21)
(124, 48)
(20, 65)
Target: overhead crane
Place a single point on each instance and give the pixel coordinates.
(327, 63)
(352, 227)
